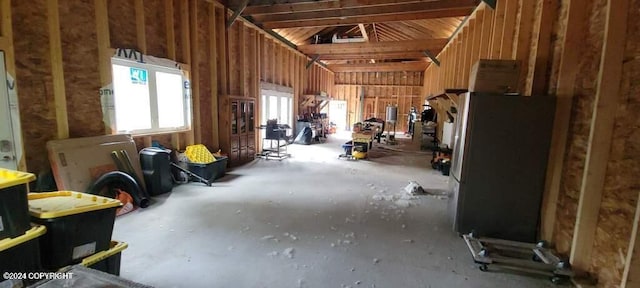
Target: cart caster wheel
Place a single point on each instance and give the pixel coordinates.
(558, 280)
(542, 244)
(483, 268)
(535, 258)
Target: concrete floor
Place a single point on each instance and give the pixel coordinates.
(309, 221)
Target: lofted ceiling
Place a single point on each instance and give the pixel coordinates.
(377, 31)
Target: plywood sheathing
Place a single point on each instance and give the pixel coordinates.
(81, 64)
(122, 23)
(581, 114)
(33, 76)
(203, 66)
(155, 29)
(622, 184)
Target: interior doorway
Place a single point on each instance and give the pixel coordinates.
(338, 114)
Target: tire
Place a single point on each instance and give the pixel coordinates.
(483, 268)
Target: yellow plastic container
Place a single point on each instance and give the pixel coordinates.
(63, 203)
(9, 178)
(116, 247)
(14, 211)
(78, 225)
(35, 232)
(199, 154)
(22, 253)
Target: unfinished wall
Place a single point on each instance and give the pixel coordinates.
(560, 44)
(379, 89)
(77, 38)
(34, 80)
(622, 184)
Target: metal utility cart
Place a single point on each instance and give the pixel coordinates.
(526, 257)
(276, 136)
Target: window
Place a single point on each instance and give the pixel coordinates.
(278, 105)
(149, 98)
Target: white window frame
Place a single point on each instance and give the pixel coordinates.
(153, 98)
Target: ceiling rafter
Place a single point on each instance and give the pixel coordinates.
(370, 18)
(368, 11)
(309, 6)
(380, 67)
(396, 46)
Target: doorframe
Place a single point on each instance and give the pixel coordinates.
(14, 112)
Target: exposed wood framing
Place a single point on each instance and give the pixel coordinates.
(368, 11)
(195, 73)
(600, 136)
(380, 47)
(369, 20)
(381, 56)
(485, 39)
(507, 33)
(313, 60)
(523, 44)
(431, 56)
(498, 28)
(380, 67)
(330, 5)
(631, 273)
(186, 55)
(539, 82)
(213, 59)
(57, 70)
(171, 52)
(568, 71)
(236, 12)
(104, 51)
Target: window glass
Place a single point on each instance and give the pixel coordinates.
(234, 117)
(131, 94)
(170, 100)
(149, 98)
(273, 107)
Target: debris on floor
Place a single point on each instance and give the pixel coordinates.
(289, 252)
(414, 188)
(268, 237)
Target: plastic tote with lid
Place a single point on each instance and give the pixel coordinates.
(78, 225)
(14, 212)
(21, 254)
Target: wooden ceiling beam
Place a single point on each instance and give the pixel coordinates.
(309, 6)
(370, 19)
(380, 67)
(376, 56)
(378, 47)
(370, 11)
(363, 32)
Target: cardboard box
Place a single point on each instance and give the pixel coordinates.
(494, 76)
(76, 163)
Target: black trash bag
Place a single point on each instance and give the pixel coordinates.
(304, 137)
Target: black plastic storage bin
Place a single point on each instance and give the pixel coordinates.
(78, 225)
(22, 253)
(107, 261)
(210, 171)
(156, 168)
(14, 211)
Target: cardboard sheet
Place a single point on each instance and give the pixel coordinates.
(77, 162)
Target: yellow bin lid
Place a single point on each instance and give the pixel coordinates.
(36, 231)
(63, 203)
(116, 247)
(10, 178)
